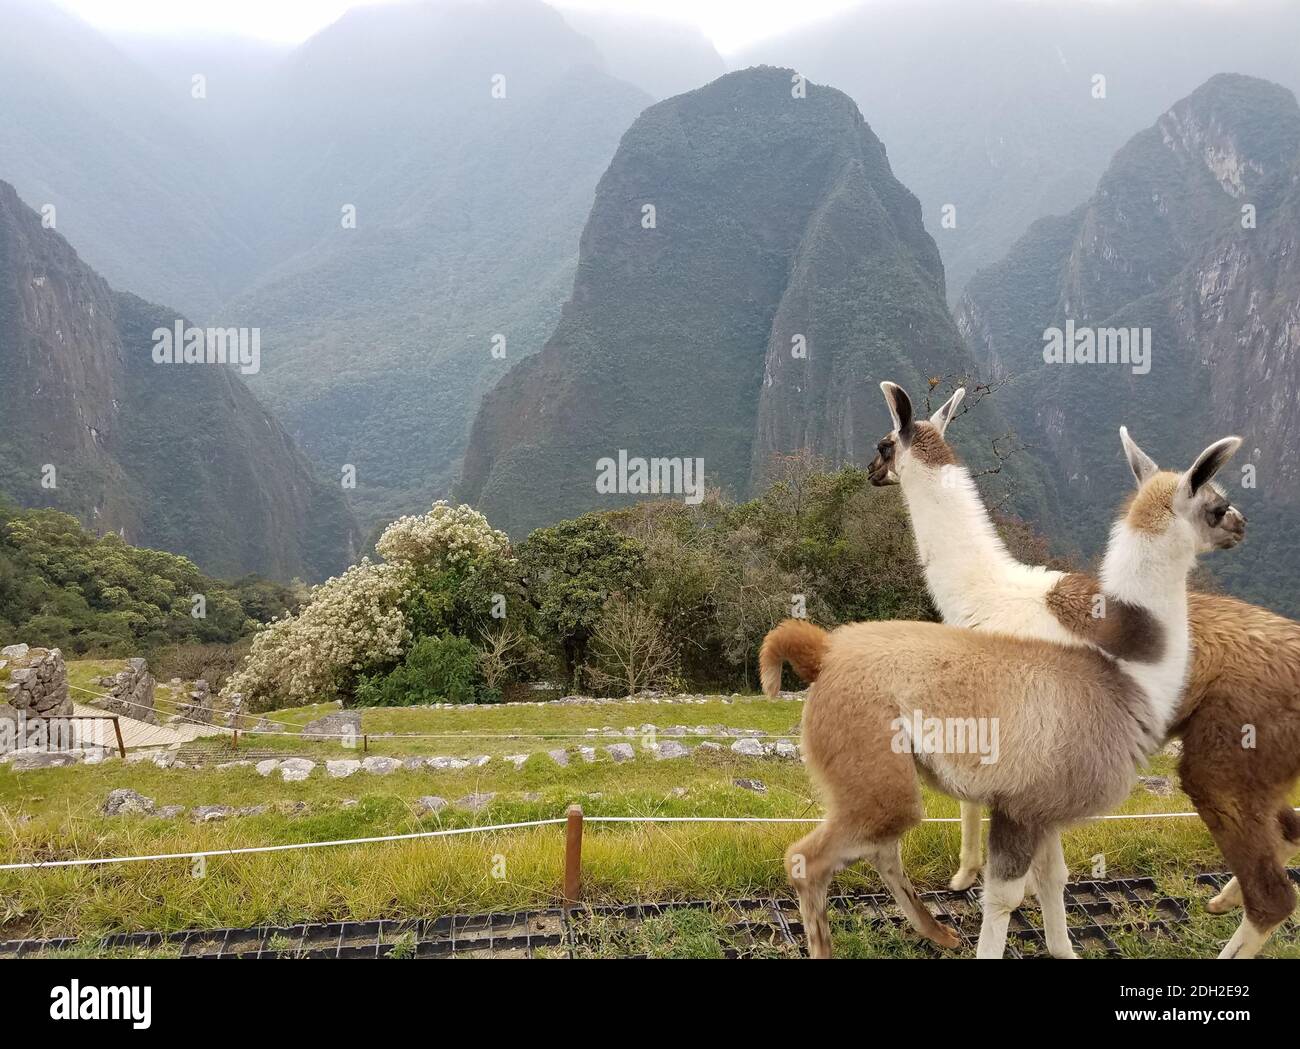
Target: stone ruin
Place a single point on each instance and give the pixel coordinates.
(37, 684)
(197, 708)
(131, 692)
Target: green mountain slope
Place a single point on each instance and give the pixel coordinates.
(174, 456)
(1164, 247)
(775, 217)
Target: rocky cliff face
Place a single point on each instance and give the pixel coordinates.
(750, 271)
(1191, 242)
(175, 456)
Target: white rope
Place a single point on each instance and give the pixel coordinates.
(506, 826)
(278, 848)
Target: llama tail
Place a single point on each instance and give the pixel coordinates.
(797, 641)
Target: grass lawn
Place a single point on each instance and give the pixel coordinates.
(55, 814)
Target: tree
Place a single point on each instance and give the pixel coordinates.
(570, 571)
(630, 646)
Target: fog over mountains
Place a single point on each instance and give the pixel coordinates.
(432, 213)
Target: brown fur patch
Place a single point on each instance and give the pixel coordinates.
(1151, 508)
(800, 643)
(930, 448)
(1123, 631)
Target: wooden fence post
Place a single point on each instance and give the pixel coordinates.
(573, 857)
(121, 746)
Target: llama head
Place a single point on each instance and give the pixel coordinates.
(913, 446)
(1187, 507)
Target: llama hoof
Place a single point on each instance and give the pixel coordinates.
(945, 937)
(1218, 905)
(964, 879)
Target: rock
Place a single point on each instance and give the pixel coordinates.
(441, 763)
(251, 810)
(517, 760)
(621, 752)
(342, 723)
(341, 769)
(756, 785)
(1174, 748)
(751, 748)
(530, 795)
(349, 803)
(587, 753)
(380, 766)
(669, 749)
(124, 800)
(295, 770)
(131, 692)
(783, 748)
(708, 744)
(265, 768)
(211, 813)
(235, 765)
(480, 761)
(429, 804)
(164, 759)
(18, 651)
(25, 761)
(170, 812)
(1157, 785)
(678, 792)
(475, 802)
(414, 763)
(560, 757)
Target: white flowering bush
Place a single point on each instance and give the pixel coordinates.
(361, 621)
(446, 537)
(350, 623)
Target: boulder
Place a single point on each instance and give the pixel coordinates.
(430, 803)
(265, 768)
(750, 748)
(559, 756)
(294, 770)
(341, 769)
(380, 766)
(124, 800)
(669, 749)
(621, 751)
(756, 785)
(517, 760)
(475, 802)
(341, 724)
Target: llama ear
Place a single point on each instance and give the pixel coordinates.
(940, 419)
(900, 409)
(1142, 465)
(1209, 462)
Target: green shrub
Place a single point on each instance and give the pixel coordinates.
(436, 670)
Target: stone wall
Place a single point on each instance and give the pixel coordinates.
(131, 692)
(38, 681)
(197, 708)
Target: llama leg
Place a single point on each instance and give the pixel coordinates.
(1011, 849)
(810, 864)
(1228, 899)
(1256, 849)
(887, 858)
(971, 853)
(1050, 872)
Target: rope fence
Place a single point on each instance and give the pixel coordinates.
(496, 827)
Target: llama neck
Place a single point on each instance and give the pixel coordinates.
(959, 549)
(1150, 571)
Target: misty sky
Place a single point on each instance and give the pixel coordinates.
(730, 24)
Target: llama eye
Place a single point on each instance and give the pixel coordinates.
(1216, 515)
